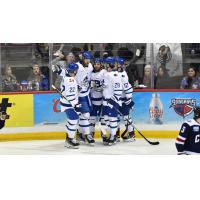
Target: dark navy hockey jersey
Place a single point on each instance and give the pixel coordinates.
(188, 139)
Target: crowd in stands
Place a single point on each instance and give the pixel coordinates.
(151, 76)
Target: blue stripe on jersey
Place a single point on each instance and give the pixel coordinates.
(71, 124)
(118, 95)
(128, 89)
(85, 91)
(96, 99)
(70, 95)
(71, 99)
(113, 126)
(118, 90)
(84, 125)
(128, 92)
(65, 105)
(70, 128)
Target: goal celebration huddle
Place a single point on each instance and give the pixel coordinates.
(94, 91)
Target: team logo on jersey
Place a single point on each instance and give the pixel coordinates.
(183, 106)
(196, 128)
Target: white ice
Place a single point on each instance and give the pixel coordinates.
(56, 147)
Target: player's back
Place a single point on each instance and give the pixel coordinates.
(113, 85)
(69, 88)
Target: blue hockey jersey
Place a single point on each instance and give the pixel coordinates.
(188, 140)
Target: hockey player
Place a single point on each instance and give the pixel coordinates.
(127, 103)
(70, 105)
(83, 79)
(96, 92)
(188, 140)
(112, 93)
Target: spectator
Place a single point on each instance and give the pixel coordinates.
(147, 78)
(133, 73)
(9, 81)
(59, 63)
(162, 78)
(36, 80)
(191, 81)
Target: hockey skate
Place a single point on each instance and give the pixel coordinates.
(104, 139)
(89, 140)
(112, 140)
(130, 137)
(71, 143)
(118, 135)
(80, 137)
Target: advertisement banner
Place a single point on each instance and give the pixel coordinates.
(163, 108)
(19, 108)
(47, 109)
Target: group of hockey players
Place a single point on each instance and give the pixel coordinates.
(94, 91)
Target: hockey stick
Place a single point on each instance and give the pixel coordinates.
(150, 142)
(55, 88)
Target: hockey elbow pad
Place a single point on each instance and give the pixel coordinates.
(56, 69)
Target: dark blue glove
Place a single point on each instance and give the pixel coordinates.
(78, 107)
(113, 102)
(129, 103)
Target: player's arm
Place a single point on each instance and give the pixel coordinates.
(180, 140)
(128, 90)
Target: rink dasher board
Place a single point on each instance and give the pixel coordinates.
(62, 135)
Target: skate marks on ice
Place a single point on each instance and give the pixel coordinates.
(56, 147)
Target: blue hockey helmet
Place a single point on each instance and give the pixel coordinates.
(98, 60)
(119, 60)
(87, 55)
(110, 60)
(72, 68)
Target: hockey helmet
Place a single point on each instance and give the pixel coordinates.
(120, 60)
(110, 60)
(196, 112)
(98, 60)
(87, 55)
(72, 68)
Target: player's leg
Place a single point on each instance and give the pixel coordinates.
(130, 136)
(113, 125)
(104, 120)
(71, 126)
(93, 118)
(84, 122)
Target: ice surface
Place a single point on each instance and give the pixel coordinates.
(56, 147)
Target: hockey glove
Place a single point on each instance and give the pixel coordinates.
(112, 102)
(129, 103)
(78, 107)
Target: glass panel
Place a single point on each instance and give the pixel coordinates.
(24, 67)
(148, 65)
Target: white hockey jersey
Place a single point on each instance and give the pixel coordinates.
(69, 89)
(83, 77)
(127, 88)
(112, 86)
(96, 91)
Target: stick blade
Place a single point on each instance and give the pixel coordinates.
(154, 143)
